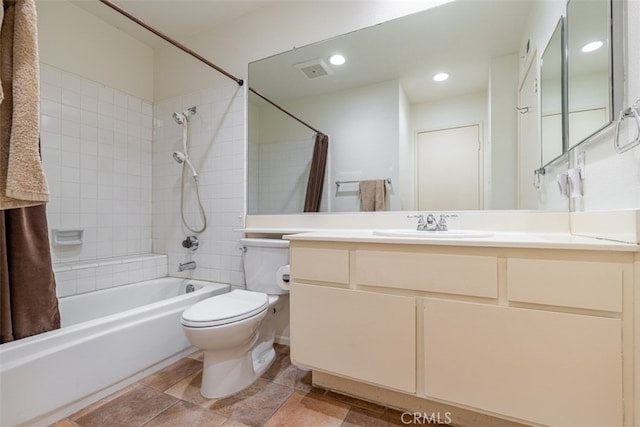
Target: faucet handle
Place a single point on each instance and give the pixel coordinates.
(419, 216)
(422, 222)
(191, 243)
(442, 224)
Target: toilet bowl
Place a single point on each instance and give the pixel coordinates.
(236, 330)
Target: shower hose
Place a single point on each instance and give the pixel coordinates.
(185, 164)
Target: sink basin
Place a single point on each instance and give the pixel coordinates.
(450, 234)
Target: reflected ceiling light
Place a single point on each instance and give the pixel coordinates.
(440, 77)
(337, 59)
(590, 47)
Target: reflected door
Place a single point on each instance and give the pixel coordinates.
(448, 169)
(529, 146)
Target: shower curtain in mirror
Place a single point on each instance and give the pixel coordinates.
(28, 303)
(316, 174)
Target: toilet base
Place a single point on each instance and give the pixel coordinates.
(222, 378)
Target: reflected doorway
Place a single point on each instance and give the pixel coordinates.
(448, 169)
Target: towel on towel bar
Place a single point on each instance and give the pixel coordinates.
(372, 195)
(22, 179)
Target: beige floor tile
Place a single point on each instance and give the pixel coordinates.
(131, 409)
(284, 373)
(359, 417)
(172, 374)
(309, 410)
(103, 401)
(352, 401)
(189, 390)
(197, 355)
(64, 423)
(294, 377)
(281, 363)
(188, 415)
(234, 423)
(254, 405)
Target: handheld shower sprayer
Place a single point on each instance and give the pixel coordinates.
(183, 120)
(182, 158)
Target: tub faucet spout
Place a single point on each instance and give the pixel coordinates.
(191, 265)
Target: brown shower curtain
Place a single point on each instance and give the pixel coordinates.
(28, 303)
(316, 174)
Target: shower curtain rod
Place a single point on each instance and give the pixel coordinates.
(285, 111)
(199, 57)
(170, 40)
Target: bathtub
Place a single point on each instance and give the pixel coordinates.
(109, 339)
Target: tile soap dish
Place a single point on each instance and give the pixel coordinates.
(67, 236)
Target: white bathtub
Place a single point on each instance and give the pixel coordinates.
(109, 339)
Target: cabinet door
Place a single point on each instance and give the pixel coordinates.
(547, 367)
(360, 335)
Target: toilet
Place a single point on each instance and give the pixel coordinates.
(236, 330)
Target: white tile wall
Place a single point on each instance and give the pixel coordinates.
(86, 276)
(217, 151)
(96, 149)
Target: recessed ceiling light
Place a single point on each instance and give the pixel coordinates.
(440, 77)
(590, 47)
(337, 59)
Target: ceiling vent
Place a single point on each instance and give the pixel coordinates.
(314, 68)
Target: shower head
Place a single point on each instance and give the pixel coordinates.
(179, 118)
(182, 158)
(179, 157)
(183, 117)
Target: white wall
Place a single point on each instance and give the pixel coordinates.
(362, 125)
(96, 150)
(76, 41)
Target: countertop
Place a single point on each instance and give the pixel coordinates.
(497, 239)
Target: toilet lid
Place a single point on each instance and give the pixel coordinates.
(226, 308)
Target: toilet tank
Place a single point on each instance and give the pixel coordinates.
(262, 259)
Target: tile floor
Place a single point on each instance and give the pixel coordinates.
(283, 396)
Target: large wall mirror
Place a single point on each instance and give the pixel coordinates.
(594, 64)
(383, 111)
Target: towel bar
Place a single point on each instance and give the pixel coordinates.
(339, 183)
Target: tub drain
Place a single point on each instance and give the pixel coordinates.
(190, 288)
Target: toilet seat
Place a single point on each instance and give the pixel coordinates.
(224, 309)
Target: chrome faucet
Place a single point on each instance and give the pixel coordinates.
(191, 265)
(430, 224)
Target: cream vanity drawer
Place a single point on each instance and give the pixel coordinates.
(580, 284)
(447, 273)
(319, 264)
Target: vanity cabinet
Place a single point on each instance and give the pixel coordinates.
(541, 336)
